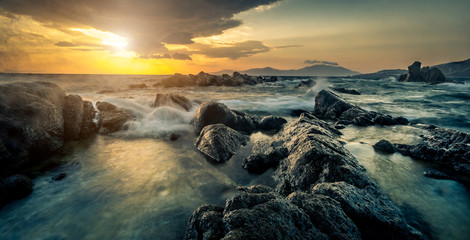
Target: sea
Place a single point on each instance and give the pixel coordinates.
(138, 184)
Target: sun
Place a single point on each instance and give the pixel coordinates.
(107, 38)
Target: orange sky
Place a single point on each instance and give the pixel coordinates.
(136, 37)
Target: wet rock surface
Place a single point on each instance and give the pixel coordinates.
(330, 106)
(449, 148)
(172, 100)
(112, 119)
(73, 116)
(219, 142)
(89, 126)
(322, 193)
(384, 146)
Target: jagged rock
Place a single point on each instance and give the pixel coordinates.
(449, 148)
(172, 100)
(73, 116)
(271, 123)
(425, 74)
(213, 112)
(31, 123)
(437, 175)
(206, 223)
(346, 90)
(384, 146)
(112, 119)
(307, 83)
(297, 112)
(89, 126)
(265, 155)
(14, 187)
(219, 142)
(375, 215)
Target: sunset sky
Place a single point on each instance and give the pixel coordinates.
(187, 36)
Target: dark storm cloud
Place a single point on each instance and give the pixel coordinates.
(321, 62)
(147, 23)
(181, 56)
(234, 51)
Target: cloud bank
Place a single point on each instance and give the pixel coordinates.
(148, 24)
(321, 62)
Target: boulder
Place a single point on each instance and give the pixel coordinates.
(212, 112)
(89, 121)
(384, 146)
(219, 142)
(73, 116)
(14, 187)
(346, 90)
(425, 74)
(172, 100)
(31, 123)
(271, 123)
(414, 72)
(112, 119)
(206, 223)
(265, 155)
(449, 148)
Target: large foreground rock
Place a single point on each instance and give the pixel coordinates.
(425, 74)
(31, 123)
(449, 148)
(172, 100)
(73, 116)
(332, 107)
(322, 193)
(219, 142)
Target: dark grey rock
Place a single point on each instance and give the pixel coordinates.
(212, 112)
(112, 119)
(425, 74)
(206, 223)
(346, 90)
(73, 116)
(307, 83)
(271, 123)
(31, 123)
(89, 126)
(265, 155)
(384, 146)
(15, 187)
(297, 112)
(219, 142)
(172, 100)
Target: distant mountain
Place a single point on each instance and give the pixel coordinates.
(315, 70)
(455, 69)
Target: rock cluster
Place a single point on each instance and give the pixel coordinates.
(449, 148)
(322, 193)
(205, 79)
(425, 74)
(330, 106)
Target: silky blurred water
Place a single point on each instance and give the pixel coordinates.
(137, 184)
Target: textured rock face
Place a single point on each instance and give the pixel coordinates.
(89, 126)
(425, 74)
(449, 148)
(332, 107)
(219, 142)
(112, 119)
(266, 155)
(31, 122)
(73, 116)
(271, 123)
(172, 100)
(322, 193)
(384, 146)
(213, 112)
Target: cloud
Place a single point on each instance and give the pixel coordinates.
(288, 46)
(233, 51)
(147, 23)
(66, 44)
(321, 62)
(181, 56)
(156, 56)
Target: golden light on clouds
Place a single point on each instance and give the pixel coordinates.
(107, 38)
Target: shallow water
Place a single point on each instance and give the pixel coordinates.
(137, 184)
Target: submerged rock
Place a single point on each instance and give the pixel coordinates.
(31, 123)
(346, 90)
(437, 175)
(219, 142)
(212, 112)
(112, 119)
(172, 100)
(449, 148)
(384, 146)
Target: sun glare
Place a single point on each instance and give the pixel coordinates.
(107, 38)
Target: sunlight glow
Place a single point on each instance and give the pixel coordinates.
(107, 38)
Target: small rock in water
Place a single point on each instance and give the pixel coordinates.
(297, 112)
(437, 175)
(173, 136)
(384, 146)
(59, 177)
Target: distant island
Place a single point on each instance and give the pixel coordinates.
(315, 70)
